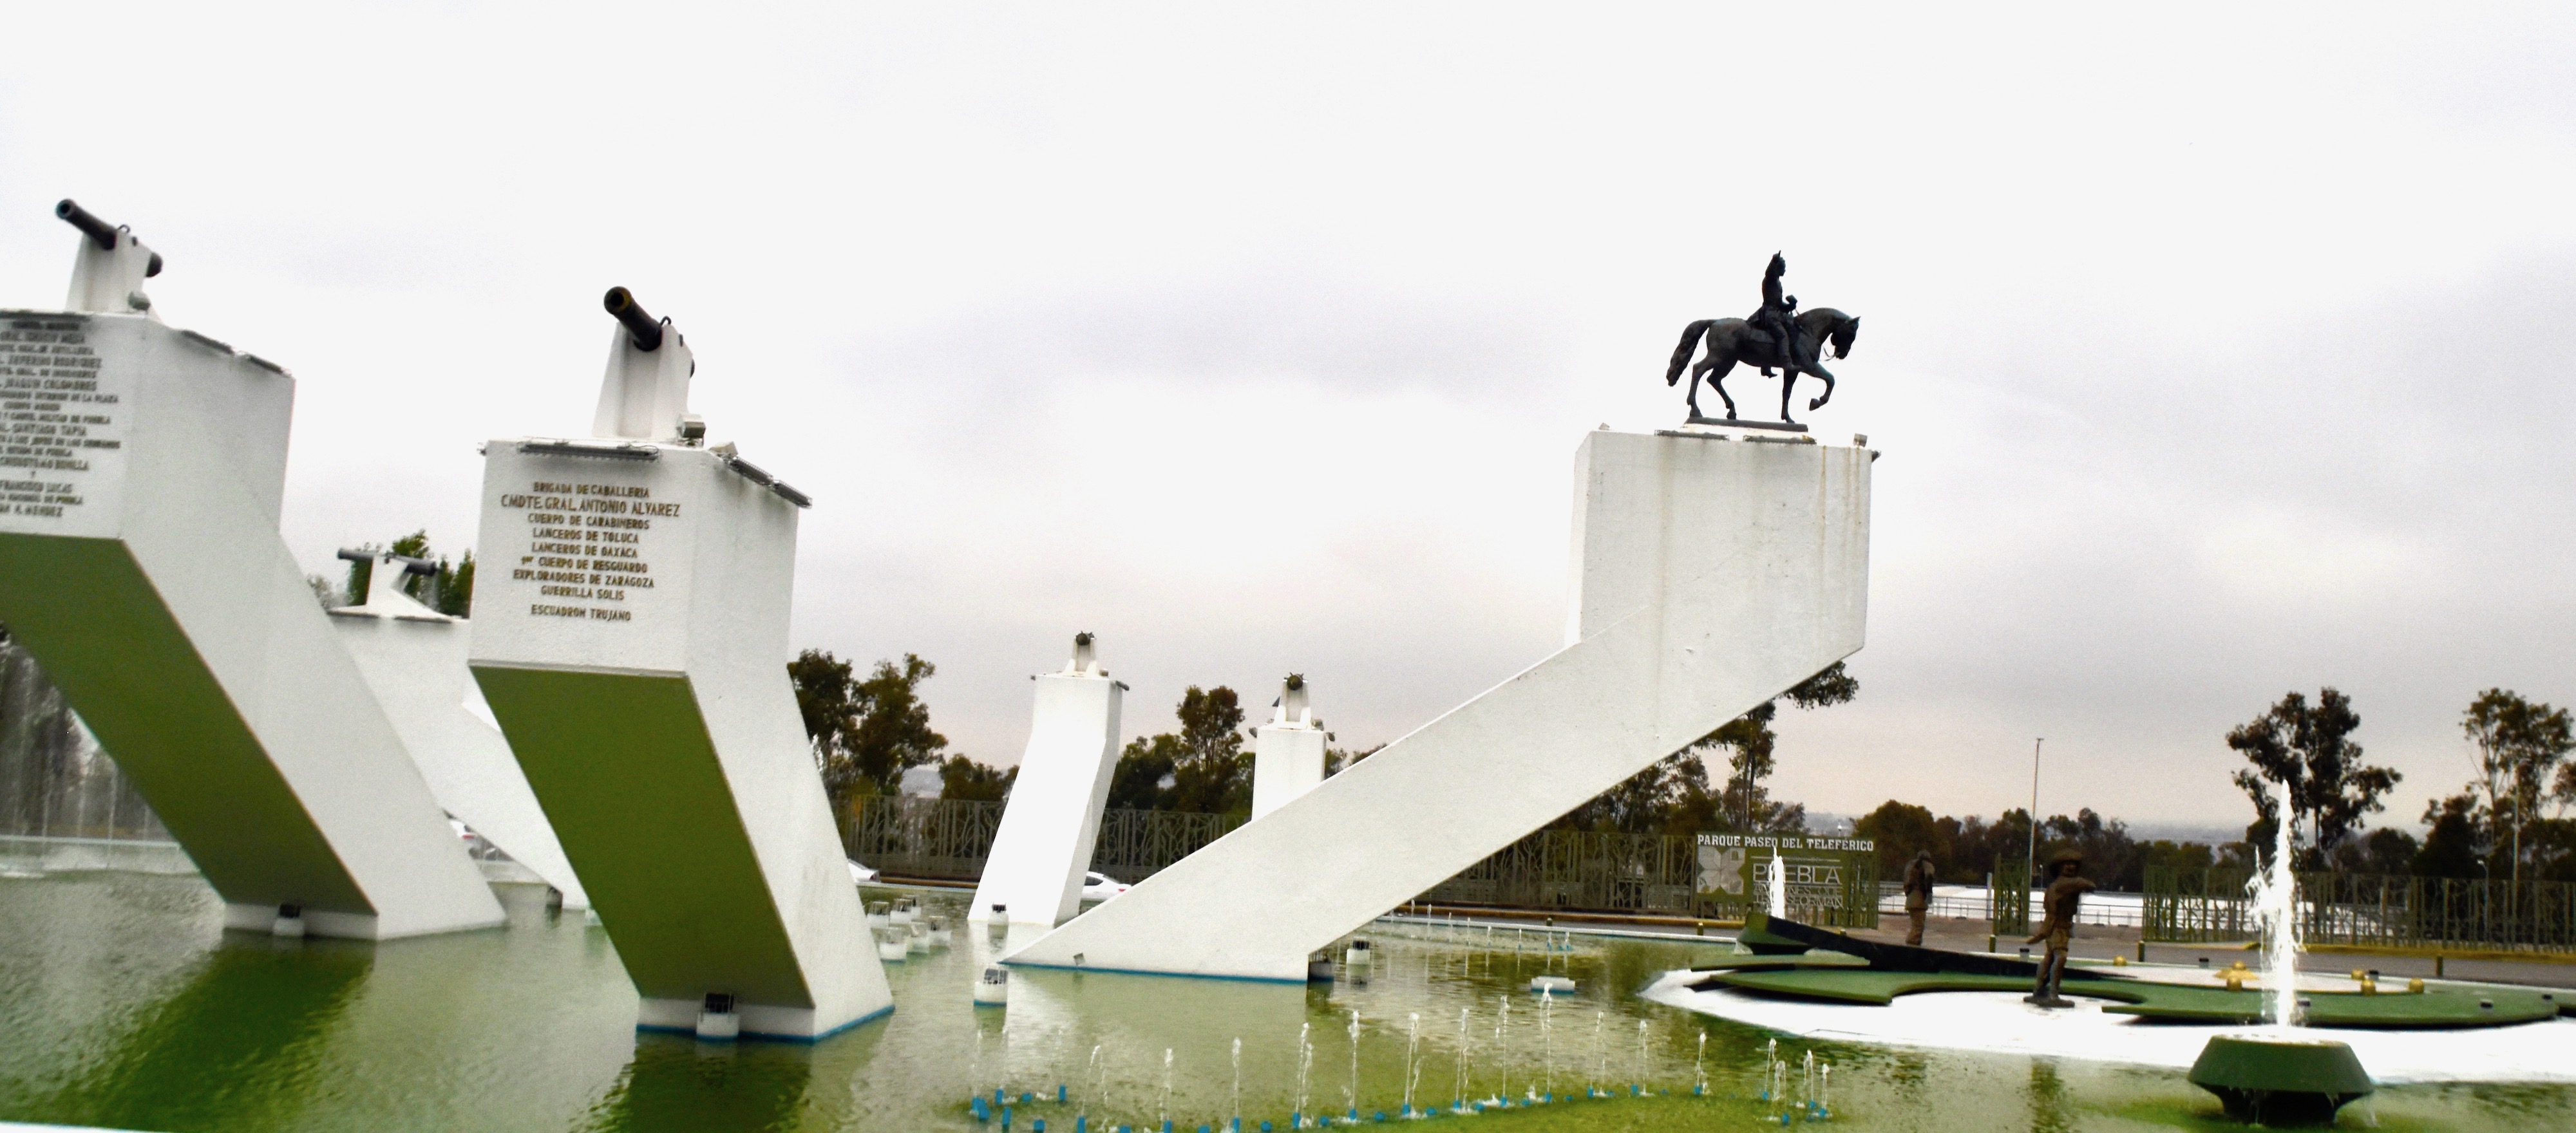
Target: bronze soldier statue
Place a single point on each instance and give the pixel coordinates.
(2065, 892)
(1918, 896)
(1779, 315)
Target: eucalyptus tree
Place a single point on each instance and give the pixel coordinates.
(2309, 748)
(2520, 742)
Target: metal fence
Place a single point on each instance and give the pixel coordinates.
(948, 839)
(1634, 873)
(2205, 906)
(2008, 907)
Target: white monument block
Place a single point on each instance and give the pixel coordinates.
(630, 635)
(1288, 752)
(414, 659)
(140, 485)
(1044, 844)
(1711, 573)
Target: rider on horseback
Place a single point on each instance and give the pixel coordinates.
(1778, 317)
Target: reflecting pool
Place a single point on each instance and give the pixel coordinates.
(125, 1006)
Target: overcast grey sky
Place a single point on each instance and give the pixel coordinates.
(2215, 352)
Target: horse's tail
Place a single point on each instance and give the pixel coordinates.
(1682, 354)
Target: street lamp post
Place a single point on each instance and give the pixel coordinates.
(2030, 869)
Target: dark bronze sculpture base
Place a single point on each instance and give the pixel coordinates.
(1781, 426)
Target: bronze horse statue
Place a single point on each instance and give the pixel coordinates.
(1731, 341)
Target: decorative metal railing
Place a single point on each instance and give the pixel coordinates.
(2205, 906)
(1641, 873)
(948, 839)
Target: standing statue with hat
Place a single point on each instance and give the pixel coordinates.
(2066, 891)
(1918, 896)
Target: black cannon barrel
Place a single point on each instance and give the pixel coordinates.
(91, 226)
(99, 231)
(412, 565)
(643, 329)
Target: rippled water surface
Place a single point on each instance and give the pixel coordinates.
(123, 1004)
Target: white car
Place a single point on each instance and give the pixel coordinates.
(1101, 887)
(861, 875)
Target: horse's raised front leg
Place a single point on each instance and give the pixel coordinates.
(1718, 368)
(1828, 395)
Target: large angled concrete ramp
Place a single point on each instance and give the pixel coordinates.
(414, 659)
(140, 563)
(1710, 574)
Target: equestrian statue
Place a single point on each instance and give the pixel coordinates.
(1777, 337)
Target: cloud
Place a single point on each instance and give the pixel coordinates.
(1260, 341)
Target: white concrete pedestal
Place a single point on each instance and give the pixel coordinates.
(1710, 574)
(630, 635)
(140, 563)
(1287, 752)
(413, 657)
(1044, 844)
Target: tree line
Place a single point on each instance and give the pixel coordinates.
(2490, 828)
(869, 728)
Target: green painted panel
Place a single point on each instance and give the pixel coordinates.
(93, 619)
(628, 775)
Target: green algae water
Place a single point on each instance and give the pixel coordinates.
(122, 1004)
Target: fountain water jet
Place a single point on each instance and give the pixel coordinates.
(2274, 1076)
(1779, 885)
(1458, 1096)
(2276, 906)
(1305, 1067)
(1354, 1095)
(1600, 1054)
(1412, 1063)
(1546, 1045)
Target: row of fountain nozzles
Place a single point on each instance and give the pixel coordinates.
(2235, 975)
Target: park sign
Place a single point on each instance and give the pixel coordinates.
(1831, 881)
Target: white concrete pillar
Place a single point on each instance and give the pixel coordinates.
(630, 635)
(413, 657)
(1288, 752)
(141, 475)
(1044, 844)
(1711, 573)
